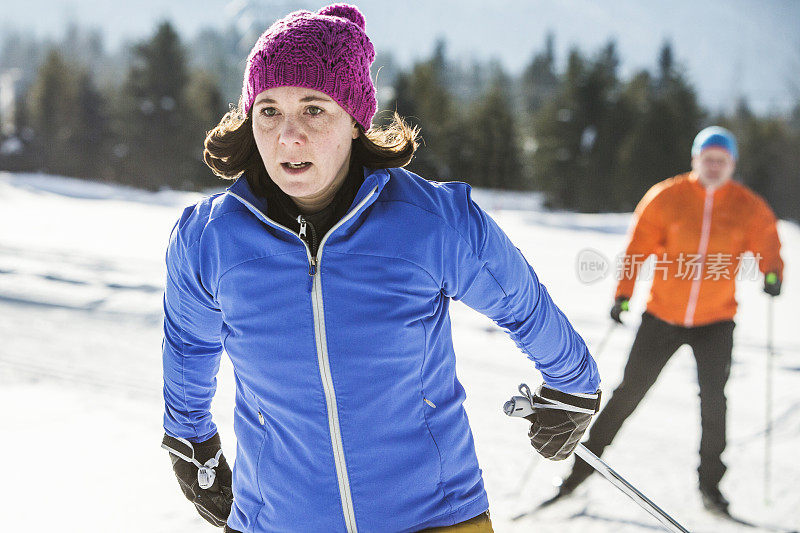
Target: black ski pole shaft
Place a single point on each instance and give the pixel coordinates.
(768, 430)
(667, 522)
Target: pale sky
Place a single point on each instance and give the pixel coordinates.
(729, 47)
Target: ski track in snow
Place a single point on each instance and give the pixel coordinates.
(81, 275)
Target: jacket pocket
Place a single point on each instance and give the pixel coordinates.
(429, 409)
(248, 496)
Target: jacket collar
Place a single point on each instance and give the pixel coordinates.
(242, 191)
(694, 179)
(374, 180)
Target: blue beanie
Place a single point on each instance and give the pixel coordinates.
(715, 136)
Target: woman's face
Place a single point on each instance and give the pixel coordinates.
(305, 140)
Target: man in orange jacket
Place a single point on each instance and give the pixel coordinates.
(698, 225)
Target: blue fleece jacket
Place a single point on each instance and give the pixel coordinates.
(348, 413)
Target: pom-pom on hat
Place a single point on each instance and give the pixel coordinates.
(717, 137)
(327, 51)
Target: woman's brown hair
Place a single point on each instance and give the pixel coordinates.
(230, 148)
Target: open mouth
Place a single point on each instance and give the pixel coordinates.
(297, 165)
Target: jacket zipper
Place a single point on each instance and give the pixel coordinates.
(325, 372)
(323, 359)
(304, 225)
(702, 249)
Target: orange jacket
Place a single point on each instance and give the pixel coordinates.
(698, 238)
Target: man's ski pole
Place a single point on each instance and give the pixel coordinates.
(768, 430)
(669, 523)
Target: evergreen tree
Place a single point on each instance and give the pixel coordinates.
(768, 159)
(577, 134)
(49, 118)
(422, 98)
(607, 120)
(558, 134)
(204, 108)
(794, 119)
(667, 118)
(666, 62)
(220, 52)
(493, 156)
(539, 80)
(66, 116)
(91, 134)
(157, 145)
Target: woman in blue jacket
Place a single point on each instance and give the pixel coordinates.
(325, 273)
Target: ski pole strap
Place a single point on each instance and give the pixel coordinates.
(184, 449)
(547, 398)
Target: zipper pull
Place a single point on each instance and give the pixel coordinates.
(312, 267)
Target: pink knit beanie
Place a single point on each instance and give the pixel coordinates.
(327, 51)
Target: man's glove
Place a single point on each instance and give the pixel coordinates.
(772, 284)
(558, 419)
(204, 476)
(620, 306)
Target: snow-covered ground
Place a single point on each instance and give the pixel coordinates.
(81, 275)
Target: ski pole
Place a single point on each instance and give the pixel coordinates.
(526, 475)
(768, 430)
(521, 406)
(602, 344)
(668, 523)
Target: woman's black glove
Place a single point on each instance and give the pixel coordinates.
(558, 419)
(204, 476)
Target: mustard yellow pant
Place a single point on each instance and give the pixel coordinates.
(480, 524)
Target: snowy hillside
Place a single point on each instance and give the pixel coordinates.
(81, 275)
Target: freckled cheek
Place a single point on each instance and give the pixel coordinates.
(327, 137)
(266, 140)
(318, 129)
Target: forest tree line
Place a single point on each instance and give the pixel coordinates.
(588, 139)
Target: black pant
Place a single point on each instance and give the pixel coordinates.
(655, 343)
